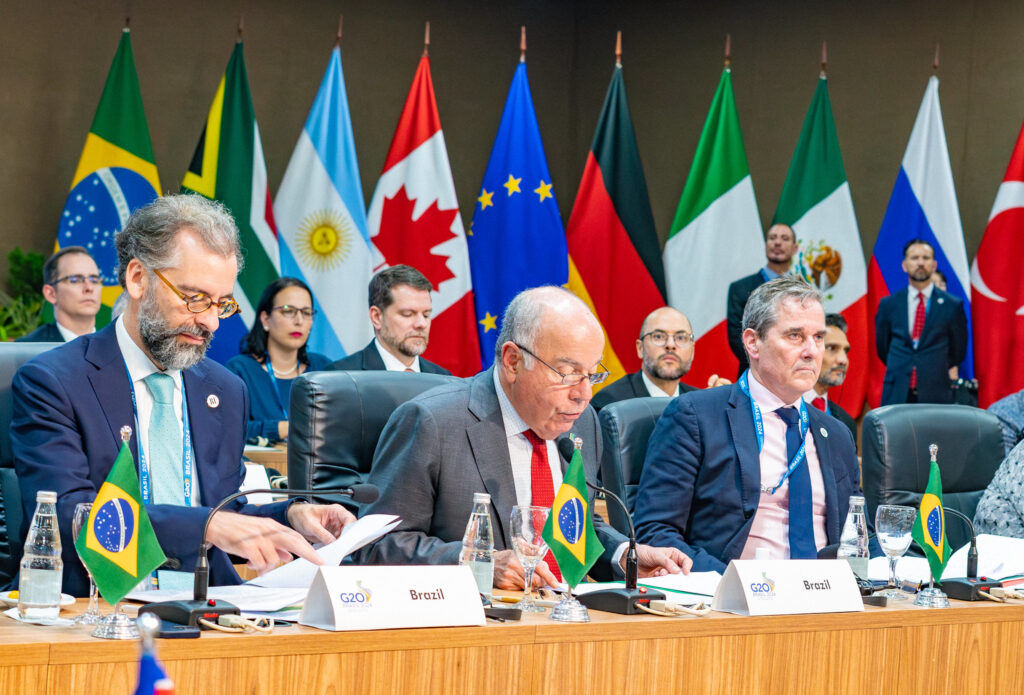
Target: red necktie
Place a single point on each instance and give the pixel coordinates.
(915, 333)
(819, 403)
(542, 490)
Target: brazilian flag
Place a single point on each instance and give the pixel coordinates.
(569, 530)
(118, 544)
(930, 528)
(116, 175)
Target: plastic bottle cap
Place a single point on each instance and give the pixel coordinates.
(481, 497)
(46, 496)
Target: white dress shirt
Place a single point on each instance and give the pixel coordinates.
(392, 363)
(655, 390)
(912, 305)
(69, 334)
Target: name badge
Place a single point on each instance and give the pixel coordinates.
(787, 587)
(378, 597)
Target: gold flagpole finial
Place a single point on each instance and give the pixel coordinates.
(126, 434)
(933, 451)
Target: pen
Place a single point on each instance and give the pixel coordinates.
(513, 599)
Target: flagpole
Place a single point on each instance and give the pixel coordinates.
(935, 61)
(824, 58)
(728, 51)
(337, 38)
(426, 41)
(618, 48)
(522, 44)
(241, 27)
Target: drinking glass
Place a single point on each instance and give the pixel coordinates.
(893, 525)
(527, 525)
(78, 522)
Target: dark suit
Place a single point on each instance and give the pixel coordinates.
(943, 344)
(46, 333)
(629, 386)
(435, 452)
(369, 358)
(739, 293)
(69, 406)
(700, 485)
(839, 414)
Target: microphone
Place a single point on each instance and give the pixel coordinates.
(623, 600)
(189, 612)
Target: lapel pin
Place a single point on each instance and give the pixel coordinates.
(212, 401)
(824, 432)
(941, 300)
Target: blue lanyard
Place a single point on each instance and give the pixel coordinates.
(273, 383)
(801, 453)
(186, 447)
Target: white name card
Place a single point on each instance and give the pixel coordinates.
(377, 597)
(787, 587)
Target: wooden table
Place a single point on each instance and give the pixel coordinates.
(275, 457)
(970, 648)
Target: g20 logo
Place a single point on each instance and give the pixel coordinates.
(764, 588)
(356, 598)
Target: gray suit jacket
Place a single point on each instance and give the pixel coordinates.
(435, 452)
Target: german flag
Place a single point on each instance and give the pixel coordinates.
(614, 258)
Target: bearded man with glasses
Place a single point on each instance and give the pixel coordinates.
(496, 432)
(665, 348)
(72, 284)
(178, 258)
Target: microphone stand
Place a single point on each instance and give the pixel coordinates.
(188, 612)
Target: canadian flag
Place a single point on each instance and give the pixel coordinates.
(414, 219)
(997, 288)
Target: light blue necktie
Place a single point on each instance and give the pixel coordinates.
(164, 452)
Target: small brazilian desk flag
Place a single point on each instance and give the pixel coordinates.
(930, 528)
(118, 545)
(569, 530)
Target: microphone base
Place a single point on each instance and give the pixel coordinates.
(966, 589)
(622, 601)
(189, 612)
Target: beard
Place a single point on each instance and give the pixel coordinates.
(412, 345)
(920, 274)
(664, 370)
(833, 377)
(160, 337)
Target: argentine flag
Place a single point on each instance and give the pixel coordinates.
(321, 221)
(922, 206)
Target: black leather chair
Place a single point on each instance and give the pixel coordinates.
(895, 459)
(336, 419)
(626, 427)
(12, 356)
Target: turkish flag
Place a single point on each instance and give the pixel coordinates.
(997, 297)
(414, 219)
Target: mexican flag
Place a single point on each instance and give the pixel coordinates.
(116, 174)
(716, 236)
(228, 166)
(614, 263)
(414, 219)
(816, 203)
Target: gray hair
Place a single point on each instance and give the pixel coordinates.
(151, 232)
(762, 310)
(521, 322)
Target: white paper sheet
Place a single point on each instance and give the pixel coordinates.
(704, 583)
(244, 596)
(256, 479)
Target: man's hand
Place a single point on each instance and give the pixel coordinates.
(263, 542)
(715, 380)
(509, 573)
(319, 523)
(657, 562)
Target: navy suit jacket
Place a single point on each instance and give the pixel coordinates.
(739, 293)
(369, 359)
(629, 386)
(943, 344)
(700, 485)
(69, 406)
(46, 333)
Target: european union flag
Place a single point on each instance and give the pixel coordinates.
(516, 240)
(118, 544)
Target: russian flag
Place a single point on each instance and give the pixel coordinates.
(922, 206)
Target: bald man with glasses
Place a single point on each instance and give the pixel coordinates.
(665, 348)
(496, 432)
(72, 284)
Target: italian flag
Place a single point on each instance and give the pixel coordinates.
(614, 263)
(414, 219)
(228, 166)
(816, 203)
(716, 236)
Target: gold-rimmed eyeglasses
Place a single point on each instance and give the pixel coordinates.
(573, 378)
(198, 303)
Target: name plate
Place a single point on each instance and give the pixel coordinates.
(787, 587)
(377, 597)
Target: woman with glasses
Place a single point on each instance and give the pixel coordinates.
(274, 353)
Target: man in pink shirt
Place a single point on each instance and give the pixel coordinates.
(733, 470)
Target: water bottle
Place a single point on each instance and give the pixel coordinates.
(853, 543)
(41, 565)
(478, 544)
